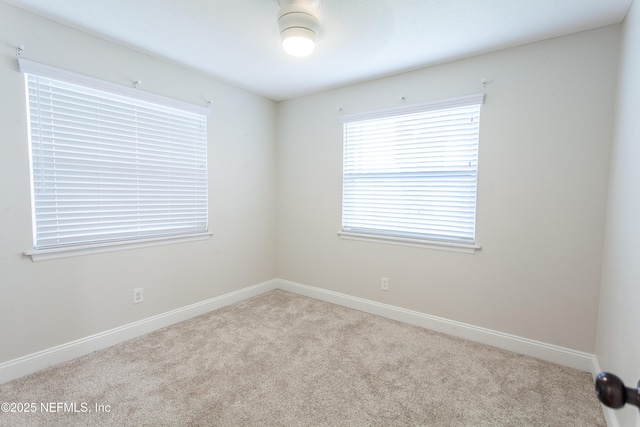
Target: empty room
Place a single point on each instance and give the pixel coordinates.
(319, 212)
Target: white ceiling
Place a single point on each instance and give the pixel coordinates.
(237, 41)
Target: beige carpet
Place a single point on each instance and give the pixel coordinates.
(285, 360)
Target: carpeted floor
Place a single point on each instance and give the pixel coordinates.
(285, 360)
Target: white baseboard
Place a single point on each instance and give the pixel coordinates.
(549, 352)
(43, 359)
(31, 363)
(34, 362)
(552, 353)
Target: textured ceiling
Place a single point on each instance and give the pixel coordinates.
(237, 41)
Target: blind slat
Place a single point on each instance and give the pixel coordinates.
(107, 167)
(413, 173)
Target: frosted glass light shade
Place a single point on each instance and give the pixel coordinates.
(298, 41)
(298, 29)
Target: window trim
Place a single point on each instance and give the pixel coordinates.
(95, 248)
(27, 66)
(460, 101)
(461, 247)
(415, 243)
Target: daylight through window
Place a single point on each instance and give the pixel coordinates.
(108, 167)
(411, 172)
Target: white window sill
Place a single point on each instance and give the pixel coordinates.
(71, 251)
(428, 244)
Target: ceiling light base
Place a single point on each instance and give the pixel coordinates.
(314, 4)
(298, 26)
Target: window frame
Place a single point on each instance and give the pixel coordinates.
(398, 238)
(48, 72)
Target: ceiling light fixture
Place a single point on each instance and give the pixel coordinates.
(298, 26)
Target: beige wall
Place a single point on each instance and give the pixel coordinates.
(544, 156)
(275, 183)
(53, 302)
(618, 343)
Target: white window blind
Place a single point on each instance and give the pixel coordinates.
(111, 168)
(411, 172)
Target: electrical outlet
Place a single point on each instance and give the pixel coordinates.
(137, 295)
(384, 283)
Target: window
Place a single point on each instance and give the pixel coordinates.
(410, 173)
(109, 166)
